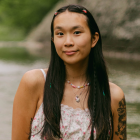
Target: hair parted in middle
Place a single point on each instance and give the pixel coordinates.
(99, 104)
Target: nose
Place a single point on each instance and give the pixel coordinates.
(68, 41)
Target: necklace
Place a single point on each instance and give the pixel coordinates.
(77, 97)
(78, 86)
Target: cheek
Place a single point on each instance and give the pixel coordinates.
(58, 44)
(84, 43)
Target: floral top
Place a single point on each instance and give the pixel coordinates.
(74, 123)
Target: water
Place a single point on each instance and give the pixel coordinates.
(125, 74)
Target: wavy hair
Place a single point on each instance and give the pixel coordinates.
(99, 104)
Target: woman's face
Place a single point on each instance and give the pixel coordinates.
(72, 37)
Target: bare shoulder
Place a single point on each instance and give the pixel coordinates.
(31, 86)
(116, 91)
(117, 95)
(34, 77)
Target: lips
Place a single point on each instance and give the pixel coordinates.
(70, 52)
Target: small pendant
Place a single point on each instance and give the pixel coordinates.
(77, 99)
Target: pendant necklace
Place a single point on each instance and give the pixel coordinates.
(77, 99)
(79, 87)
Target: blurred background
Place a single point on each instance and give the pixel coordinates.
(25, 45)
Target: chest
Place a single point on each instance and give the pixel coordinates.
(75, 98)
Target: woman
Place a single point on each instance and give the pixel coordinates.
(75, 101)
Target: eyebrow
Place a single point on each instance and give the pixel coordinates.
(73, 28)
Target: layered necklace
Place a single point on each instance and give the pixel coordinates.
(77, 99)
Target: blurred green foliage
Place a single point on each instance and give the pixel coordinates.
(18, 54)
(10, 33)
(23, 15)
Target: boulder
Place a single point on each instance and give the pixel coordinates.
(118, 21)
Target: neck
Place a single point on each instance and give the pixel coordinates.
(76, 73)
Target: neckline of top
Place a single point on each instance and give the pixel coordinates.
(71, 108)
(68, 108)
(74, 109)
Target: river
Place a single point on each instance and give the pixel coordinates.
(125, 74)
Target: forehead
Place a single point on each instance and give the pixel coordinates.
(69, 19)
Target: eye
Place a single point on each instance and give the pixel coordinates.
(77, 32)
(60, 34)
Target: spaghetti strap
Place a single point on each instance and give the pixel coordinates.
(43, 73)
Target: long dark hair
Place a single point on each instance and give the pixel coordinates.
(99, 104)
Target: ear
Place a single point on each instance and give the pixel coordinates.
(95, 39)
(52, 39)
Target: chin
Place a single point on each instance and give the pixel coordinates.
(72, 61)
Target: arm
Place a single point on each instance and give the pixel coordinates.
(119, 113)
(25, 104)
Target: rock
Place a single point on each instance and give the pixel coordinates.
(117, 18)
(118, 21)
